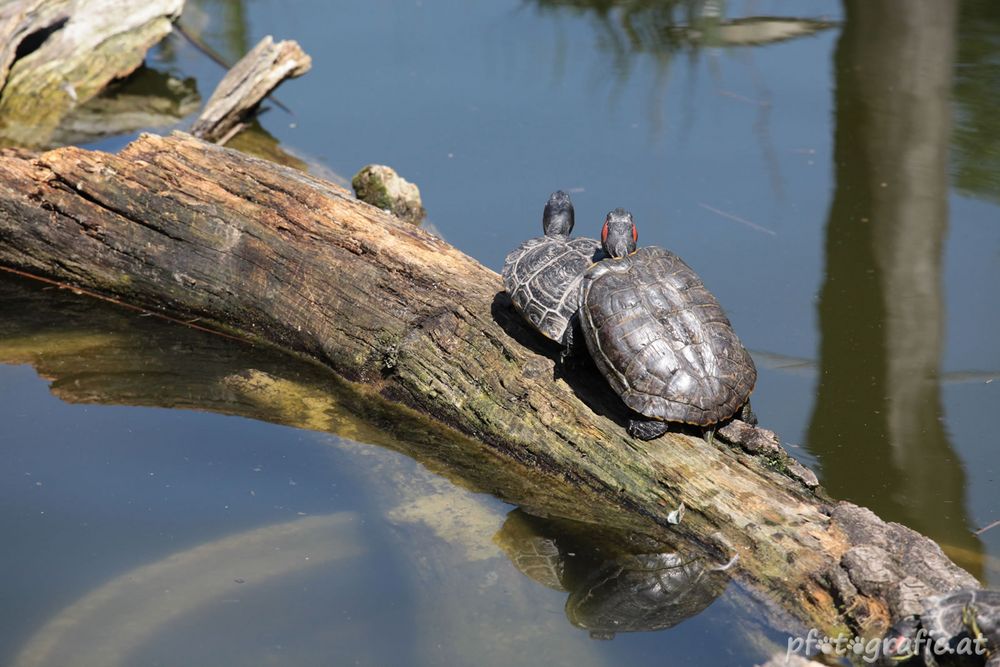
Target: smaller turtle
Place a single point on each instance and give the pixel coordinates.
(961, 628)
(660, 338)
(542, 275)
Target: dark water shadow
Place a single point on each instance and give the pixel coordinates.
(577, 371)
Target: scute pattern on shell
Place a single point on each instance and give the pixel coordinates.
(942, 615)
(543, 277)
(662, 340)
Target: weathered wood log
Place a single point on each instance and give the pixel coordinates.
(20, 20)
(102, 40)
(247, 83)
(194, 230)
(104, 353)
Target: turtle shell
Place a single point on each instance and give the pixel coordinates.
(643, 592)
(662, 340)
(943, 618)
(543, 276)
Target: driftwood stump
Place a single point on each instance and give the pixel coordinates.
(267, 253)
(246, 84)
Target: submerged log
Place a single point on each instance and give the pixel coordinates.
(267, 253)
(246, 84)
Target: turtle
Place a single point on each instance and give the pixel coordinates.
(958, 628)
(660, 338)
(542, 275)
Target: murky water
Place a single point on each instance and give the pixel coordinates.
(832, 173)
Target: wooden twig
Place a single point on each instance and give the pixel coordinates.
(247, 83)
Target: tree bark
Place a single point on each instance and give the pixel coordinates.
(267, 253)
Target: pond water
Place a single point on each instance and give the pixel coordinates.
(832, 172)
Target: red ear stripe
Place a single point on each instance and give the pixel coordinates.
(604, 233)
(635, 233)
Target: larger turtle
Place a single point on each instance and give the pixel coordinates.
(543, 274)
(659, 336)
(957, 628)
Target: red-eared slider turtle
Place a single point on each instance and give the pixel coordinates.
(956, 629)
(659, 336)
(543, 274)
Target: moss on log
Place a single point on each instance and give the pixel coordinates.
(265, 252)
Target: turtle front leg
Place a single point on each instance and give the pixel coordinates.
(567, 343)
(646, 430)
(747, 414)
(572, 340)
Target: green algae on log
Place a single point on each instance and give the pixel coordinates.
(270, 254)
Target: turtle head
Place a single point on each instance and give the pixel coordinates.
(558, 217)
(980, 626)
(619, 234)
(899, 645)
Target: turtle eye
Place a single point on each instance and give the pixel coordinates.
(604, 233)
(635, 234)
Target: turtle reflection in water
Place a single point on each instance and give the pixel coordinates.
(949, 631)
(615, 584)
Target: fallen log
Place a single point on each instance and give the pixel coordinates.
(84, 45)
(20, 20)
(249, 81)
(273, 255)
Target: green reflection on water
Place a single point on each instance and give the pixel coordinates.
(976, 137)
(877, 424)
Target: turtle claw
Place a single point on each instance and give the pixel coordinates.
(709, 435)
(646, 430)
